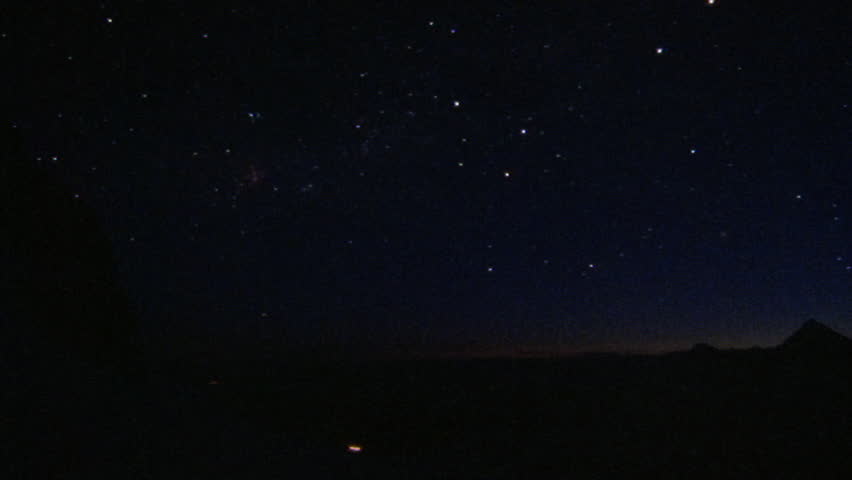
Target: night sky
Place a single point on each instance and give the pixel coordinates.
(480, 177)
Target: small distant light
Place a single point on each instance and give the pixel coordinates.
(507, 174)
(660, 50)
(591, 265)
(711, 2)
(456, 103)
(490, 269)
(523, 131)
(109, 20)
(354, 448)
(692, 151)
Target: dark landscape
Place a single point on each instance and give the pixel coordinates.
(780, 412)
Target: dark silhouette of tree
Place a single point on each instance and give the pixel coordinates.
(64, 303)
(70, 350)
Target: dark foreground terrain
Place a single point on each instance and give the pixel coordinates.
(772, 413)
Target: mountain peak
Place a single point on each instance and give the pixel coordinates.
(811, 323)
(813, 335)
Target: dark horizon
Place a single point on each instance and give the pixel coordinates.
(218, 357)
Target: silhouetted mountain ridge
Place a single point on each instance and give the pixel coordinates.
(816, 337)
(703, 348)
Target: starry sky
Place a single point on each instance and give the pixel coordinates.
(475, 177)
